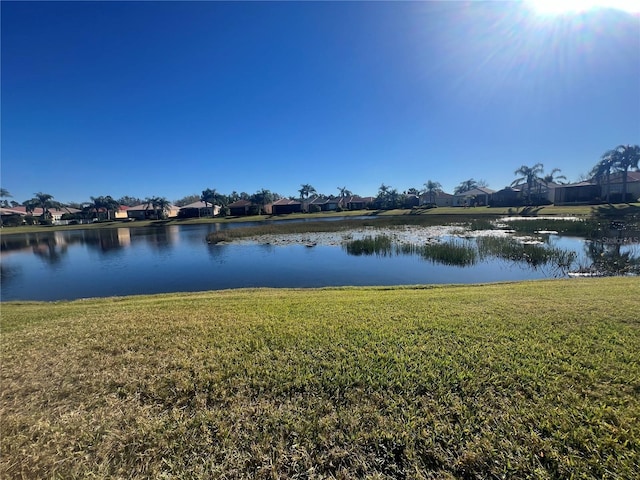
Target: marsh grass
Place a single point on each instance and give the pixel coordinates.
(509, 248)
(462, 253)
(381, 245)
(526, 380)
(449, 252)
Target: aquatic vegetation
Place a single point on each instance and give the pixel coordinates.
(449, 253)
(379, 245)
(319, 226)
(509, 248)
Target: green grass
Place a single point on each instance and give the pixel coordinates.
(381, 245)
(450, 252)
(525, 380)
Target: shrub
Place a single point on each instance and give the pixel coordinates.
(13, 221)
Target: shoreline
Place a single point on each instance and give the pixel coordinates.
(579, 211)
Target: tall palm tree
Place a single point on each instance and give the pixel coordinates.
(529, 175)
(149, 203)
(343, 194)
(30, 206)
(161, 206)
(466, 186)
(626, 158)
(262, 197)
(95, 205)
(4, 193)
(306, 190)
(432, 188)
(45, 201)
(602, 171)
(210, 196)
(110, 205)
(551, 177)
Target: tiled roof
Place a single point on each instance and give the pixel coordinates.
(286, 201)
(198, 204)
(240, 203)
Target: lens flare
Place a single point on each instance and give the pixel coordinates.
(560, 7)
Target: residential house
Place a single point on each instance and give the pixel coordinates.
(121, 212)
(576, 193)
(285, 206)
(441, 199)
(199, 209)
(354, 202)
(476, 197)
(411, 200)
(324, 204)
(507, 197)
(242, 207)
(146, 212)
(12, 216)
(55, 213)
(541, 192)
(592, 191)
(615, 187)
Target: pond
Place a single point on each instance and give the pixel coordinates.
(145, 260)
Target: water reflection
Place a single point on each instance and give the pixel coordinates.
(122, 261)
(611, 258)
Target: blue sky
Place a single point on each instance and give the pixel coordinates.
(170, 98)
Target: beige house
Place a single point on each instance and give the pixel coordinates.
(146, 212)
(204, 209)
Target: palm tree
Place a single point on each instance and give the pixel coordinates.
(529, 175)
(149, 202)
(95, 205)
(45, 201)
(30, 206)
(552, 177)
(432, 188)
(161, 206)
(602, 170)
(262, 197)
(110, 205)
(343, 194)
(466, 186)
(306, 190)
(209, 196)
(626, 158)
(4, 193)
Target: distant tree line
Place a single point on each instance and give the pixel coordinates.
(619, 160)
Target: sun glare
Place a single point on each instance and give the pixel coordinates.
(558, 7)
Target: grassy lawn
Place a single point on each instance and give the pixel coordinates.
(524, 380)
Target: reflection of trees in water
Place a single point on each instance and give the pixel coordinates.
(160, 238)
(50, 251)
(107, 240)
(610, 257)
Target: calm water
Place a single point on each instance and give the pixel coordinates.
(106, 262)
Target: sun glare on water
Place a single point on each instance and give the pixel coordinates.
(558, 7)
